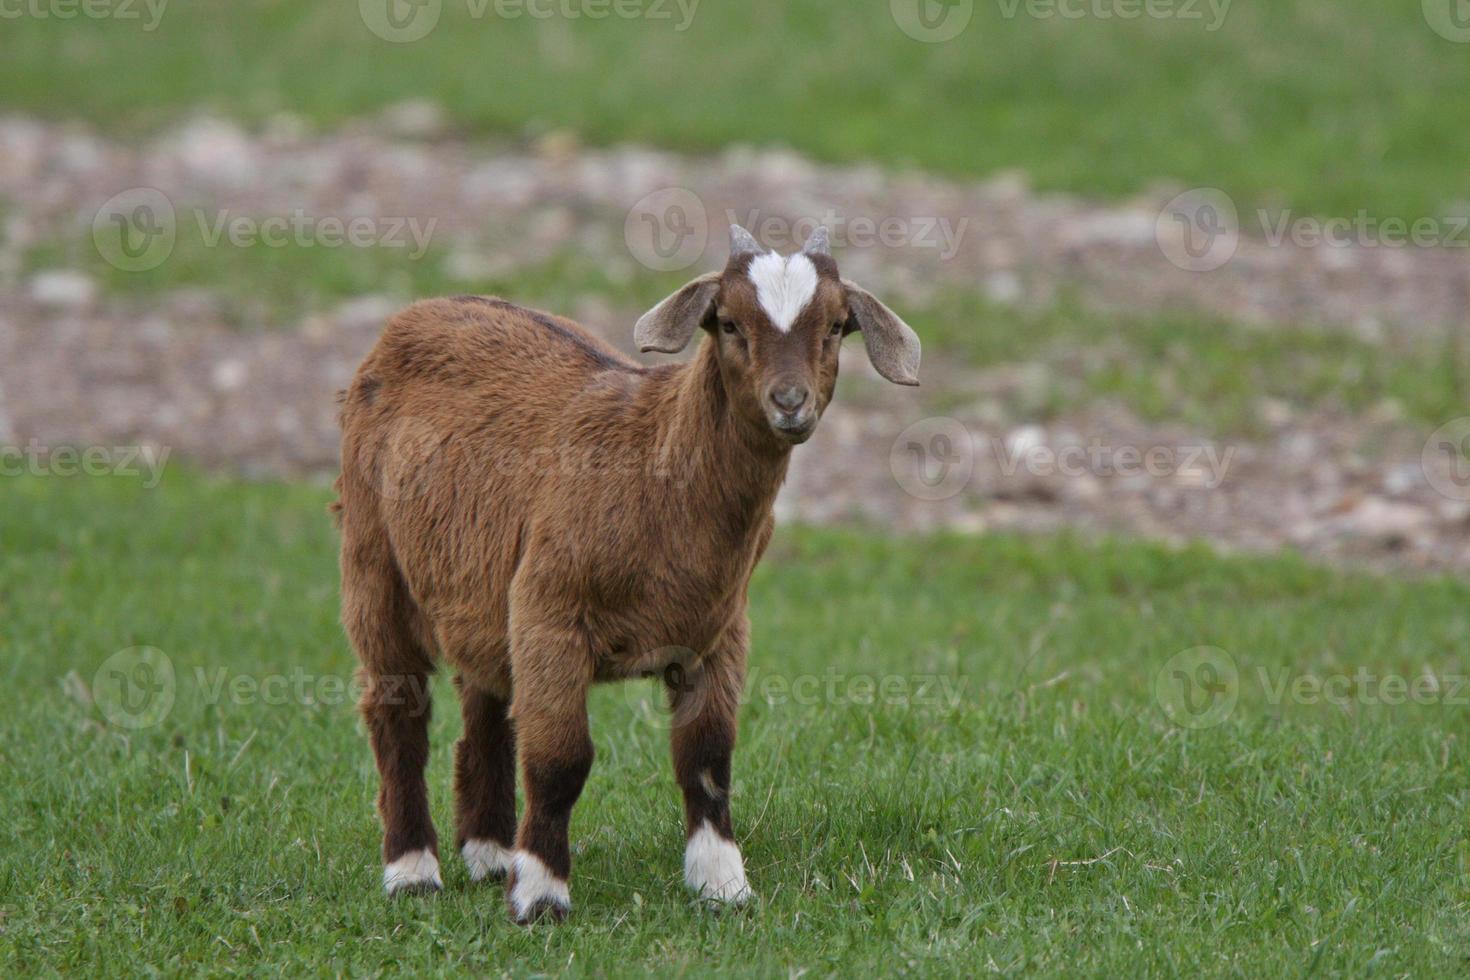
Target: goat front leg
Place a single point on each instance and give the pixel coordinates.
(705, 702)
(552, 670)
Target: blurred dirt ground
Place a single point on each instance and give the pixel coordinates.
(82, 366)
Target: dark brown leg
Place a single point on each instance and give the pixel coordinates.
(396, 709)
(705, 703)
(552, 670)
(378, 617)
(485, 784)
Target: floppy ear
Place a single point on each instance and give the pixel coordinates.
(892, 345)
(669, 325)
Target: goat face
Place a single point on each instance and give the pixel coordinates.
(777, 323)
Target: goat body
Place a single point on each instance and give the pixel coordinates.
(523, 502)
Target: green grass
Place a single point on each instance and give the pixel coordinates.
(1325, 105)
(1054, 819)
(1201, 371)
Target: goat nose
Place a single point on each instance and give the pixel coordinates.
(790, 397)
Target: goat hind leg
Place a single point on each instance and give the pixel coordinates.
(395, 707)
(485, 783)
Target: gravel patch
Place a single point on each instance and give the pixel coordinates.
(80, 367)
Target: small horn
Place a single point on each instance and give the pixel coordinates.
(820, 243)
(742, 241)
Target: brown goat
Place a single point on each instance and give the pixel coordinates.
(523, 501)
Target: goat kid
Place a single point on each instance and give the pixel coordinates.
(468, 536)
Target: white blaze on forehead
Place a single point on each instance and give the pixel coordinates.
(784, 284)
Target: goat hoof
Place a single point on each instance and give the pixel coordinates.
(413, 873)
(534, 890)
(548, 910)
(486, 860)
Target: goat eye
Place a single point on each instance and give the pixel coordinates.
(728, 326)
(836, 330)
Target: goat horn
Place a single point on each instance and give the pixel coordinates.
(820, 243)
(742, 241)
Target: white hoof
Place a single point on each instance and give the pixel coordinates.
(536, 889)
(714, 869)
(415, 871)
(485, 859)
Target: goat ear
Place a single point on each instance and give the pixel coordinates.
(669, 325)
(893, 347)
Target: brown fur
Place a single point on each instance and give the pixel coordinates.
(523, 501)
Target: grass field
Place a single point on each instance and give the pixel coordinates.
(1325, 105)
(1046, 803)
